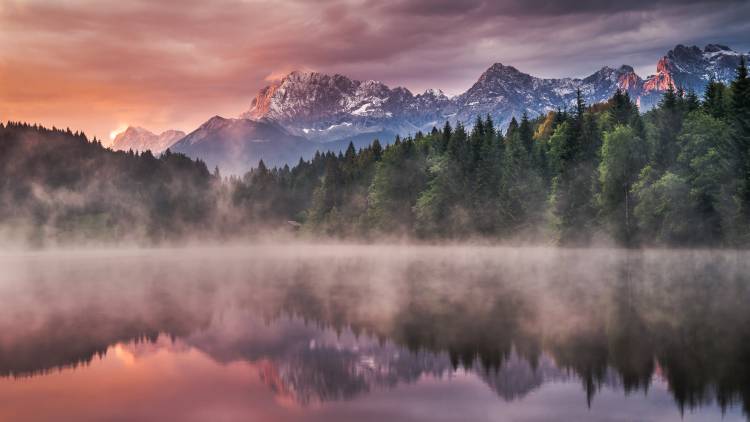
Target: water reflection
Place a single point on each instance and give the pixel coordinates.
(331, 332)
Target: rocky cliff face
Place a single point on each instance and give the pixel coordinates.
(691, 68)
(325, 108)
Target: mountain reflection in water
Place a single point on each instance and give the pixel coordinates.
(311, 332)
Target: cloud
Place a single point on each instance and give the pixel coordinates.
(172, 64)
(534, 8)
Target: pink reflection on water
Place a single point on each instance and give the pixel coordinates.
(159, 381)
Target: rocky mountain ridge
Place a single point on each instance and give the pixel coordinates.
(323, 108)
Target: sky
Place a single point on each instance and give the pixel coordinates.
(101, 65)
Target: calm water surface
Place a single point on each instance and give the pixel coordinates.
(373, 333)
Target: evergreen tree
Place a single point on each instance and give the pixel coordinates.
(692, 102)
(489, 128)
(487, 180)
(575, 161)
(705, 163)
(439, 209)
(377, 150)
(444, 140)
(622, 110)
(663, 206)
(476, 139)
(328, 194)
(521, 196)
(740, 118)
(668, 120)
(458, 147)
(580, 106)
(624, 154)
(398, 179)
(512, 127)
(525, 134)
(714, 100)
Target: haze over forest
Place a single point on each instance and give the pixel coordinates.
(678, 175)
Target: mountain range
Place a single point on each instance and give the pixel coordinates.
(308, 111)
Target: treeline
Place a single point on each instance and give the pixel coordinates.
(56, 185)
(677, 175)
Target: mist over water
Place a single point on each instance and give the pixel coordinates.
(374, 332)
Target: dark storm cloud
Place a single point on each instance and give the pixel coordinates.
(97, 65)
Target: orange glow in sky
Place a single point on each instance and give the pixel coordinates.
(114, 132)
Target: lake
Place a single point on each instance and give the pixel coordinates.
(311, 332)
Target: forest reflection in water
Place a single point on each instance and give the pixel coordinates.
(328, 332)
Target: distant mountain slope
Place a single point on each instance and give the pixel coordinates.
(139, 139)
(236, 145)
(323, 108)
